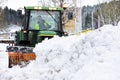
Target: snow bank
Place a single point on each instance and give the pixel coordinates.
(94, 56)
(10, 29)
(13, 28)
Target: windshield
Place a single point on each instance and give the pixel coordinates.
(44, 20)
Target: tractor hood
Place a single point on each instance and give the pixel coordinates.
(47, 33)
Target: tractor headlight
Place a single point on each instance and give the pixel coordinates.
(24, 31)
(65, 34)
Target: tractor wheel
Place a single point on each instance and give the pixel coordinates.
(16, 42)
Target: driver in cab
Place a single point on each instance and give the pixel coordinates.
(41, 24)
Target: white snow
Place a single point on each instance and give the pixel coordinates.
(94, 56)
(3, 58)
(13, 28)
(10, 28)
(9, 32)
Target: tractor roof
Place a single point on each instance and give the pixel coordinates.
(43, 8)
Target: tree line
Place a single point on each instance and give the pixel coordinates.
(105, 13)
(10, 16)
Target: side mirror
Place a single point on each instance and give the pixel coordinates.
(70, 16)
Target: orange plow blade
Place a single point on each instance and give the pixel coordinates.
(17, 58)
(20, 55)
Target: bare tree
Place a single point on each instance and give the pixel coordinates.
(2, 2)
(101, 13)
(114, 11)
(56, 2)
(110, 12)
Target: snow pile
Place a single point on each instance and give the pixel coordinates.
(9, 32)
(10, 29)
(94, 56)
(13, 28)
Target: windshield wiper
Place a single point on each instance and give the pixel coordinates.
(52, 16)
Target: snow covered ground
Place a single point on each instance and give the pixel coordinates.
(94, 56)
(11, 28)
(8, 33)
(3, 57)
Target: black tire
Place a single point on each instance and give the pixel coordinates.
(16, 41)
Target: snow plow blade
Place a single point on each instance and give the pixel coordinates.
(20, 56)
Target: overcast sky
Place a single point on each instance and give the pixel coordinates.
(16, 4)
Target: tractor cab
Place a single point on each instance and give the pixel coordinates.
(40, 23)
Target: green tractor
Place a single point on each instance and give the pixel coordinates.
(39, 23)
